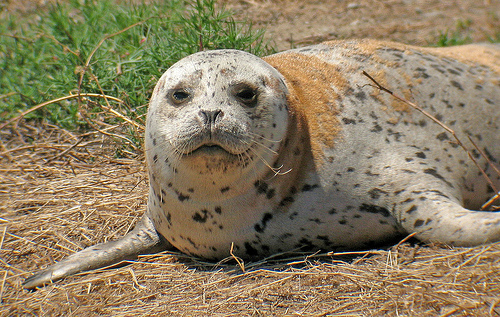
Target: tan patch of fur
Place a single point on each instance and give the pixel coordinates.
(367, 47)
(311, 82)
(469, 54)
(381, 77)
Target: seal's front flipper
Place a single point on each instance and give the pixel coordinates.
(142, 240)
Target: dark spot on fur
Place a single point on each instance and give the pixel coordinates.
(396, 135)
(412, 209)
(456, 84)
(490, 190)
(270, 193)
(348, 121)
(261, 187)
(369, 173)
(420, 155)
(408, 200)
(224, 189)
(376, 192)
(218, 210)
(201, 218)
(475, 153)
(407, 171)
(260, 227)
(323, 238)
(332, 211)
(488, 153)
(306, 244)
(374, 210)
(438, 68)
(308, 187)
(376, 128)
(287, 200)
(418, 223)
(192, 243)
(360, 95)
(182, 197)
(316, 220)
(433, 172)
(251, 251)
(442, 136)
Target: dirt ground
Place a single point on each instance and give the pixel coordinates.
(417, 22)
(61, 192)
(292, 23)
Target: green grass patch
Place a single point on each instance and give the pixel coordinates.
(85, 46)
(459, 36)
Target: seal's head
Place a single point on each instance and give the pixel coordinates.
(216, 116)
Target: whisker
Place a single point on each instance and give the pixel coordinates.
(260, 144)
(276, 171)
(264, 138)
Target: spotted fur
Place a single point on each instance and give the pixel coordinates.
(298, 151)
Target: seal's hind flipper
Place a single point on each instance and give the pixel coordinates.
(142, 240)
(439, 217)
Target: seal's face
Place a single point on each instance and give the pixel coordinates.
(216, 113)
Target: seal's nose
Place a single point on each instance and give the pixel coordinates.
(210, 116)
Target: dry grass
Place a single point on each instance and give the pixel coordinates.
(52, 205)
(60, 193)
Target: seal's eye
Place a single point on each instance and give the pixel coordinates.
(179, 96)
(247, 95)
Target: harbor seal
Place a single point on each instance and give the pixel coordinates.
(296, 151)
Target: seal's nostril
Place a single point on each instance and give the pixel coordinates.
(210, 116)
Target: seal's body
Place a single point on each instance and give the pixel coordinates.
(296, 151)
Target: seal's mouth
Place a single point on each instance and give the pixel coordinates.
(209, 149)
